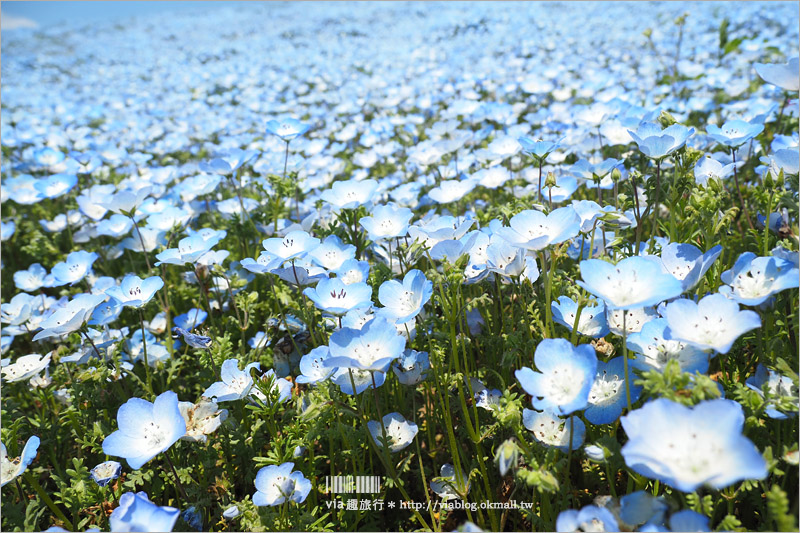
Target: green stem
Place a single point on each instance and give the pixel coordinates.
(652, 245)
(148, 376)
(47, 500)
(625, 359)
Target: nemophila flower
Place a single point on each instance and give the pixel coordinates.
(76, 267)
(688, 520)
(115, 226)
(776, 385)
(399, 431)
(137, 513)
(145, 429)
(202, 418)
(287, 129)
(430, 232)
(333, 296)
(19, 309)
(372, 347)
(533, 230)
(7, 230)
(507, 455)
(280, 389)
(193, 518)
(190, 319)
(386, 222)
(332, 252)
(655, 347)
(505, 259)
(105, 472)
(713, 323)
(634, 319)
(687, 263)
(190, 249)
(125, 201)
(752, 280)
(353, 271)
(784, 75)
(312, 366)
(404, 301)
(607, 395)
(554, 431)
(56, 185)
(451, 190)
(294, 245)
(488, 399)
(235, 385)
(631, 283)
(277, 484)
(64, 320)
(592, 322)
(259, 341)
(11, 469)
(231, 512)
(25, 367)
(656, 143)
(48, 157)
(228, 162)
(709, 168)
(538, 149)
(201, 342)
(595, 453)
(265, 263)
(565, 376)
(734, 133)
(134, 291)
(349, 194)
(299, 275)
(412, 367)
(687, 447)
(353, 381)
(640, 507)
(590, 518)
(448, 486)
(492, 177)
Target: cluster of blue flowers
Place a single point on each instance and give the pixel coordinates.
(395, 257)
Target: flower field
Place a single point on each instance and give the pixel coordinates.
(402, 266)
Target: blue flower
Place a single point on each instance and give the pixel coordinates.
(752, 280)
(48, 157)
(190, 319)
(687, 263)
(105, 472)
(193, 518)
(145, 429)
(713, 323)
(12, 469)
(294, 245)
(607, 395)
(386, 222)
(137, 513)
(373, 347)
(190, 249)
(312, 366)
(734, 133)
(115, 226)
(565, 376)
(775, 385)
(412, 367)
(709, 168)
(640, 507)
(633, 282)
(74, 268)
(687, 447)
(64, 320)
(333, 296)
(655, 347)
(538, 149)
(287, 129)
(688, 520)
(554, 431)
(656, 143)
(507, 455)
(332, 252)
(399, 431)
(346, 378)
(134, 291)
(349, 194)
(56, 185)
(533, 230)
(235, 384)
(275, 484)
(404, 301)
(590, 518)
(200, 342)
(592, 322)
(353, 271)
(783, 75)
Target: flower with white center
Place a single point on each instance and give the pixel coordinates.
(105, 472)
(294, 245)
(488, 399)
(333, 296)
(492, 177)
(709, 168)
(607, 395)
(190, 249)
(734, 133)
(633, 282)
(554, 431)
(25, 367)
(332, 252)
(687, 263)
(145, 429)
(353, 271)
(635, 319)
(592, 322)
(752, 280)
(411, 367)
(505, 259)
(533, 230)
(404, 301)
(265, 263)
(32, 279)
(656, 143)
(434, 230)
(349, 194)
(137, 513)
(565, 376)
(19, 309)
(399, 431)
(449, 486)
(713, 323)
(312, 366)
(655, 348)
(74, 268)
(590, 518)
(386, 222)
(277, 484)
(279, 389)
(287, 129)
(687, 447)
(775, 385)
(115, 226)
(200, 342)
(235, 384)
(373, 347)
(355, 381)
(451, 190)
(202, 418)
(134, 291)
(11, 469)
